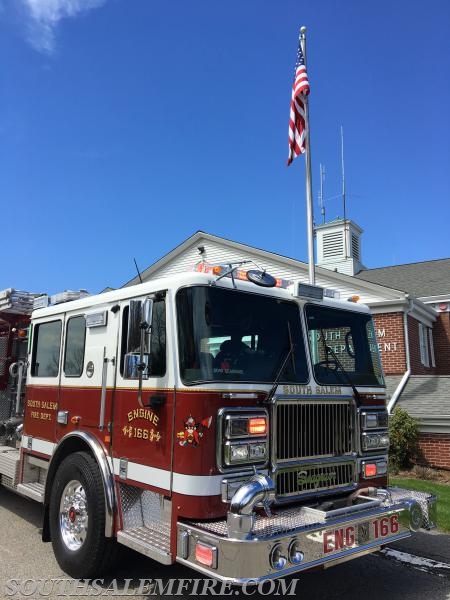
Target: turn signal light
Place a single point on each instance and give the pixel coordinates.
(206, 554)
(370, 469)
(375, 469)
(257, 426)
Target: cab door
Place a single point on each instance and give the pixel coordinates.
(88, 372)
(143, 410)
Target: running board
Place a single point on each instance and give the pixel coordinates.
(35, 491)
(152, 541)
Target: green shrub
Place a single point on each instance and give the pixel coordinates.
(404, 439)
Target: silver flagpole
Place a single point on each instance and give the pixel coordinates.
(309, 205)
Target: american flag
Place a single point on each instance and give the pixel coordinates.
(297, 125)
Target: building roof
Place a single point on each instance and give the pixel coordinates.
(427, 399)
(421, 279)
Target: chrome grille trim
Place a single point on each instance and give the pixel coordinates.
(314, 445)
(328, 428)
(313, 478)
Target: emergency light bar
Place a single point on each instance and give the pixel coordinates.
(258, 277)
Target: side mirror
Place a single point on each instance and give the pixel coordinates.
(146, 313)
(135, 368)
(138, 357)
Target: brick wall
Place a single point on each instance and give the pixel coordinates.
(435, 448)
(391, 341)
(390, 338)
(441, 341)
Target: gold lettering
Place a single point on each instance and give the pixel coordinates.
(328, 390)
(149, 435)
(142, 413)
(299, 390)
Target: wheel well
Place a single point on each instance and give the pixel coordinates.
(79, 442)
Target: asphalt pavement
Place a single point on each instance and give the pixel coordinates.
(416, 568)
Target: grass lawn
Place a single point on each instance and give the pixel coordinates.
(441, 490)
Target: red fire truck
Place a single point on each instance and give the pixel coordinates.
(15, 311)
(222, 418)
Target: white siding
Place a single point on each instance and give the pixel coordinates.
(222, 252)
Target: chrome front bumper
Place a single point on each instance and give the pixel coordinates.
(298, 539)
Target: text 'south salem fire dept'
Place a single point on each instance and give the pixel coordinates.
(221, 418)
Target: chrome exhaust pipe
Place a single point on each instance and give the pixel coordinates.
(241, 517)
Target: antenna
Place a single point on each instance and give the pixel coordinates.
(343, 193)
(321, 199)
(137, 269)
(343, 172)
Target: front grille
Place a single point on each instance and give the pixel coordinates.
(311, 429)
(313, 446)
(317, 478)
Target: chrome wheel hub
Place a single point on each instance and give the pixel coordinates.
(73, 515)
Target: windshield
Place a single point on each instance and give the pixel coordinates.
(351, 337)
(229, 335)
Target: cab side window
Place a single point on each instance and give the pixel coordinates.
(75, 342)
(46, 349)
(131, 339)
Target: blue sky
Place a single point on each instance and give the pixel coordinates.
(127, 125)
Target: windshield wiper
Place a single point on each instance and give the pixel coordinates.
(276, 381)
(330, 350)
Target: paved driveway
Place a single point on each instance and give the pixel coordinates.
(381, 576)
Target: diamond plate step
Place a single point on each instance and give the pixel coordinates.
(152, 540)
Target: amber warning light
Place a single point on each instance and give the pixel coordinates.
(257, 426)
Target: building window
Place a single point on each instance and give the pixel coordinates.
(46, 346)
(423, 342)
(75, 341)
(430, 339)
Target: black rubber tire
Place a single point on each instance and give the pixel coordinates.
(97, 552)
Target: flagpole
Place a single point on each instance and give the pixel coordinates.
(309, 205)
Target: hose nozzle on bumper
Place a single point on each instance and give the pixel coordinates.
(241, 518)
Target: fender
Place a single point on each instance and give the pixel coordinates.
(74, 442)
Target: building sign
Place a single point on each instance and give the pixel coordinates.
(385, 345)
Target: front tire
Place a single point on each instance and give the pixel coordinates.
(77, 518)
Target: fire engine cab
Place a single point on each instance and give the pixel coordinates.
(221, 418)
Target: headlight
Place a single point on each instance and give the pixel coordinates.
(242, 437)
(251, 452)
(238, 453)
(375, 441)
